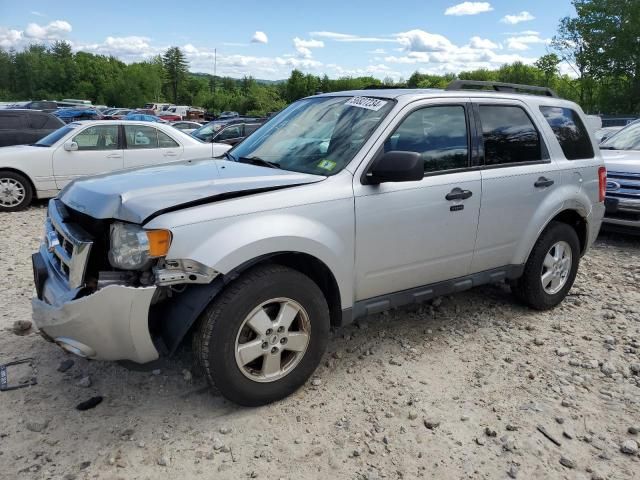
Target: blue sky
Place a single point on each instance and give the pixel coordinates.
(267, 39)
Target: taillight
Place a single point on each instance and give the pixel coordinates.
(602, 183)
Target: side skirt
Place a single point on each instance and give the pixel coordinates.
(370, 306)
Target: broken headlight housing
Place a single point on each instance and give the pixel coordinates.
(133, 248)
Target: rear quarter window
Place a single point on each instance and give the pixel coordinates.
(571, 133)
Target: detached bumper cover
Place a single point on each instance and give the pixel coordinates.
(110, 324)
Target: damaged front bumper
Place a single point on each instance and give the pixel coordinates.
(111, 323)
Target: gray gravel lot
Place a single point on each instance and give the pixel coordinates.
(472, 386)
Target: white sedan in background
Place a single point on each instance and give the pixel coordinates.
(89, 148)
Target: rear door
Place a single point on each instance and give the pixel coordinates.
(148, 145)
(99, 151)
(517, 176)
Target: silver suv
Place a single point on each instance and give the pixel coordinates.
(341, 206)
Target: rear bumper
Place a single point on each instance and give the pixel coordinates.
(110, 324)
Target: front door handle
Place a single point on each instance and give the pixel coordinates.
(114, 155)
(458, 194)
(170, 154)
(543, 182)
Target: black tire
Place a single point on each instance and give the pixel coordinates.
(528, 288)
(24, 184)
(215, 336)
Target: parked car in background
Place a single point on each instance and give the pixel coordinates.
(72, 114)
(186, 126)
(175, 112)
(44, 105)
(230, 132)
(621, 153)
(116, 113)
(157, 107)
(141, 117)
(604, 133)
(22, 127)
(226, 115)
(145, 111)
(89, 148)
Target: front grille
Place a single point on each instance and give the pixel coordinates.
(68, 245)
(623, 185)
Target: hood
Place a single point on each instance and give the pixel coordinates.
(627, 161)
(137, 195)
(12, 151)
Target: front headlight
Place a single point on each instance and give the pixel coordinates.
(133, 247)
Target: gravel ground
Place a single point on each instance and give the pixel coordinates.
(460, 388)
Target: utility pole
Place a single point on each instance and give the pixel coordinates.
(215, 65)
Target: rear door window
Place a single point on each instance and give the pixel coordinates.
(141, 136)
(570, 132)
(509, 135)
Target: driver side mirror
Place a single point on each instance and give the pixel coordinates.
(396, 166)
(70, 146)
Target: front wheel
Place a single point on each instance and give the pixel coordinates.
(264, 336)
(551, 268)
(15, 192)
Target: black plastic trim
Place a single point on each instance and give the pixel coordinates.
(421, 294)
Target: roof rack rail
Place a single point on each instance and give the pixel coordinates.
(501, 87)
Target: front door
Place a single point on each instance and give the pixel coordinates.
(517, 177)
(99, 151)
(410, 234)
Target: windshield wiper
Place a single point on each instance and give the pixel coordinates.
(259, 161)
(607, 148)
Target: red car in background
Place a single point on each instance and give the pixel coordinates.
(170, 117)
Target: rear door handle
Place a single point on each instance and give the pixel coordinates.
(543, 182)
(458, 194)
(170, 154)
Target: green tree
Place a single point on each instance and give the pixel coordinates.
(603, 41)
(176, 68)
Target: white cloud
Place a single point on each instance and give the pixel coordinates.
(259, 37)
(523, 42)
(10, 38)
(377, 51)
(55, 30)
(482, 43)
(303, 47)
(517, 18)
(37, 14)
(348, 37)
(469, 8)
(299, 42)
(421, 41)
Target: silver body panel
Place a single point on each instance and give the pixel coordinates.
(375, 240)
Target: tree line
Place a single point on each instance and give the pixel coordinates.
(602, 44)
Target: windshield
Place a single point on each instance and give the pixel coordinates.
(53, 137)
(316, 135)
(626, 139)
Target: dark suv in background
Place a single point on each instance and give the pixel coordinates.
(23, 127)
(230, 132)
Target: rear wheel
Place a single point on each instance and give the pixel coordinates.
(15, 192)
(551, 268)
(263, 337)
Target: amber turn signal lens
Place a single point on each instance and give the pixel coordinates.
(159, 242)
